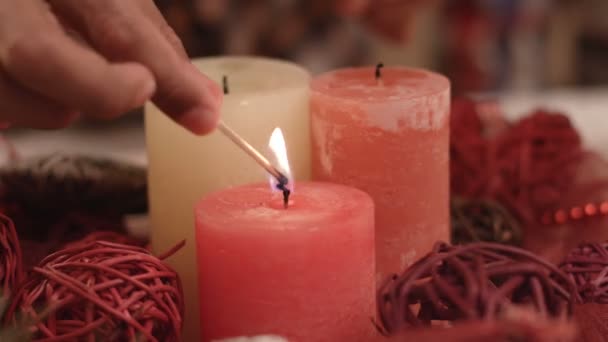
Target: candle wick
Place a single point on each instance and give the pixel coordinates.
(286, 193)
(379, 67)
(225, 85)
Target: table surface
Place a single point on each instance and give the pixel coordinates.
(125, 140)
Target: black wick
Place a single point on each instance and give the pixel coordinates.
(225, 85)
(282, 185)
(379, 67)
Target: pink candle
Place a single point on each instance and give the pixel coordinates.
(388, 137)
(306, 272)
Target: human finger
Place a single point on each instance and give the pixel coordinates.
(122, 32)
(37, 54)
(20, 107)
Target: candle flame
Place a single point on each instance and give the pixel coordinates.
(279, 150)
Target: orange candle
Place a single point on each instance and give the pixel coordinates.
(388, 136)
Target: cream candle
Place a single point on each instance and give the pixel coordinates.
(306, 272)
(389, 137)
(183, 167)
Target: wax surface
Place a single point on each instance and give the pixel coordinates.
(306, 272)
(264, 94)
(390, 139)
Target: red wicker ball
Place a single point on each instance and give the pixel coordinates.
(11, 264)
(587, 266)
(474, 282)
(100, 291)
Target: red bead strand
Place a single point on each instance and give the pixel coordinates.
(576, 213)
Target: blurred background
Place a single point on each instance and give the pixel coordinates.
(482, 45)
(549, 53)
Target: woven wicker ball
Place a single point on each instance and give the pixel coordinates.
(100, 291)
(56, 199)
(82, 183)
(587, 267)
(11, 265)
(475, 220)
(472, 282)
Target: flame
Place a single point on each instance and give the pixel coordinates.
(279, 149)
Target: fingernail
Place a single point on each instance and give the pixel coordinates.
(145, 92)
(199, 121)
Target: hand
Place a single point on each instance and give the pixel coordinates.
(60, 59)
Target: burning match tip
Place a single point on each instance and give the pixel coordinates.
(282, 179)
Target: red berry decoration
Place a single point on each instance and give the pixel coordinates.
(536, 161)
(100, 291)
(526, 167)
(11, 266)
(478, 281)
